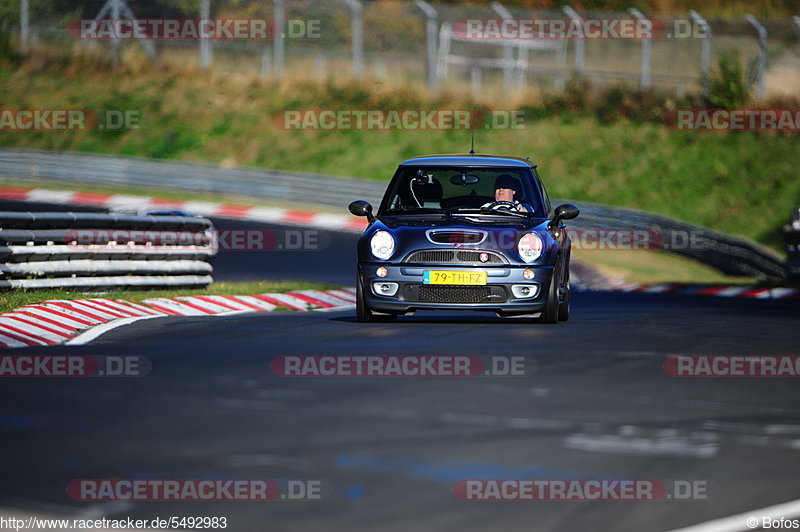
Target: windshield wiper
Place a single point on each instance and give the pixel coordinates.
(487, 210)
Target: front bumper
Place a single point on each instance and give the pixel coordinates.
(502, 294)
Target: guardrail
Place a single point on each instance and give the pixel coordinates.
(299, 187)
(88, 250)
(791, 236)
(730, 254)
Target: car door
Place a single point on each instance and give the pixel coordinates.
(559, 233)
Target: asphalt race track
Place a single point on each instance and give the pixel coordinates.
(597, 404)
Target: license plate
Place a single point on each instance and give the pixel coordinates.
(448, 277)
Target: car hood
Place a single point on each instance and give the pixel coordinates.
(416, 234)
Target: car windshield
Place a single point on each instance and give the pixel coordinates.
(438, 189)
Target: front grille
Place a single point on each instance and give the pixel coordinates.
(434, 257)
(447, 256)
(455, 294)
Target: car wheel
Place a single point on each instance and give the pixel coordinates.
(563, 307)
(363, 313)
(550, 311)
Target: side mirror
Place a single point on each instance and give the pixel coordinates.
(564, 212)
(362, 208)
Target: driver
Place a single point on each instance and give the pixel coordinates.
(505, 188)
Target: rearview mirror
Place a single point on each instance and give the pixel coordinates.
(464, 179)
(362, 208)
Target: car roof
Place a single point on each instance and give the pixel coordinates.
(467, 160)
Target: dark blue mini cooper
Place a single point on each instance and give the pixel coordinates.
(464, 232)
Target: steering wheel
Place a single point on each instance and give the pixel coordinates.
(496, 205)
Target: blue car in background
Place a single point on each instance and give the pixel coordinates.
(464, 232)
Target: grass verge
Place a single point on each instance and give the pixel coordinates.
(655, 267)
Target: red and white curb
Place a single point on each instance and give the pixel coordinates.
(750, 292)
(338, 222)
(65, 321)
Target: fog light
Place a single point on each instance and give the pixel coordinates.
(524, 291)
(527, 274)
(384, 289)
(382, 271)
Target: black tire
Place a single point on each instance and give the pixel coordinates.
(363, 313)
(550, 310)
(563, 307)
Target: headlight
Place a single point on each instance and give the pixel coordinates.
(530, 247)
(382, 244)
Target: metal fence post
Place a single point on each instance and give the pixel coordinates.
(205, 43)
(265, 60)
(357, 28)
(320, 66)
(508, 53)
(762, 54)
(146, 44)
(580, 44)
(445, 34)
(705, 51)
(118, 9)
(475, 81)
(796, 22)
(24, 26)
(431, 29)
(278, 50)
(115, 15)
(645, 70)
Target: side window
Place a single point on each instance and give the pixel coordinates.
(547, 206)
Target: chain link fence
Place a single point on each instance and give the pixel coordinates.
(412, 43)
